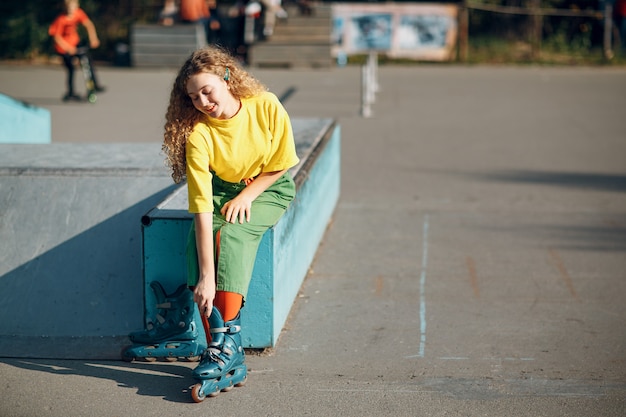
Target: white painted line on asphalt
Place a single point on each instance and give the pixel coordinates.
(391, 390)
(454, 358)
(422, 346)
(259, 371)
(465, 358)
(423, 288)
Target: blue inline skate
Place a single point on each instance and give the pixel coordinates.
(172, 334)
(222, 365)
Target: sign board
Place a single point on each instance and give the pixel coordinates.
(418, 30)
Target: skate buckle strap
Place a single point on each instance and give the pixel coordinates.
(229, 329)
(216, 349)
(212, 354)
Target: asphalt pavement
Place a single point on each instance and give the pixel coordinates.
(474, 265)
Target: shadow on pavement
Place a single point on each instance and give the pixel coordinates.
(601, 182)
(169, 381)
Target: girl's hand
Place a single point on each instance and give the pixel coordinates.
(238, 208)
(203, 295)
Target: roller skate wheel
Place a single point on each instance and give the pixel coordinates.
(92, 98)
(242, 383)
(196, 393)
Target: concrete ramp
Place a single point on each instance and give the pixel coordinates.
(71, 280)
(23, 123)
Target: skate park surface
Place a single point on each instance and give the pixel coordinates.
(474, 265)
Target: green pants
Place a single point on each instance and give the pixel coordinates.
(239, 242)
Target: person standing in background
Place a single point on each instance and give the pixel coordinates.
(215, 23)
(620, 19)
(272, 9)
(197, 11)
(169, 13)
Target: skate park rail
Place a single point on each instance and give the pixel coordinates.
(286, 250)
(85, 227)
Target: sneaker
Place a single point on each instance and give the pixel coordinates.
(72, 97)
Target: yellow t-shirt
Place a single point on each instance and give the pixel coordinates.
(259, 138)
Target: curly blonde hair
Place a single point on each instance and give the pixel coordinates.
(182, 116)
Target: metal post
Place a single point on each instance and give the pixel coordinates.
(608, 29)
(537, 29)
(372, 61)
(366, 105)
(463, 32)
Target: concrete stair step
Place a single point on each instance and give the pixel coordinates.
(291, 55)
(294, 30)
(282, 39)
(298, 41)
(303, 22)
(317, 11)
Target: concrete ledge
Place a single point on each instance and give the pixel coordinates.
(23, 122)
(70, 254)
(72, 266)
(286, 250)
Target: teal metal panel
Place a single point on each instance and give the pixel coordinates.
(286, 250)
(23, 123)
(256, 317)
(164, 259)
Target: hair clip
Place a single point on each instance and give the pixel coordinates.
(227, 75)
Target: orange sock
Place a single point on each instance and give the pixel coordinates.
(207, 328)
(228, 303)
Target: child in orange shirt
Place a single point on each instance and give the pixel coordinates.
(66, 39)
